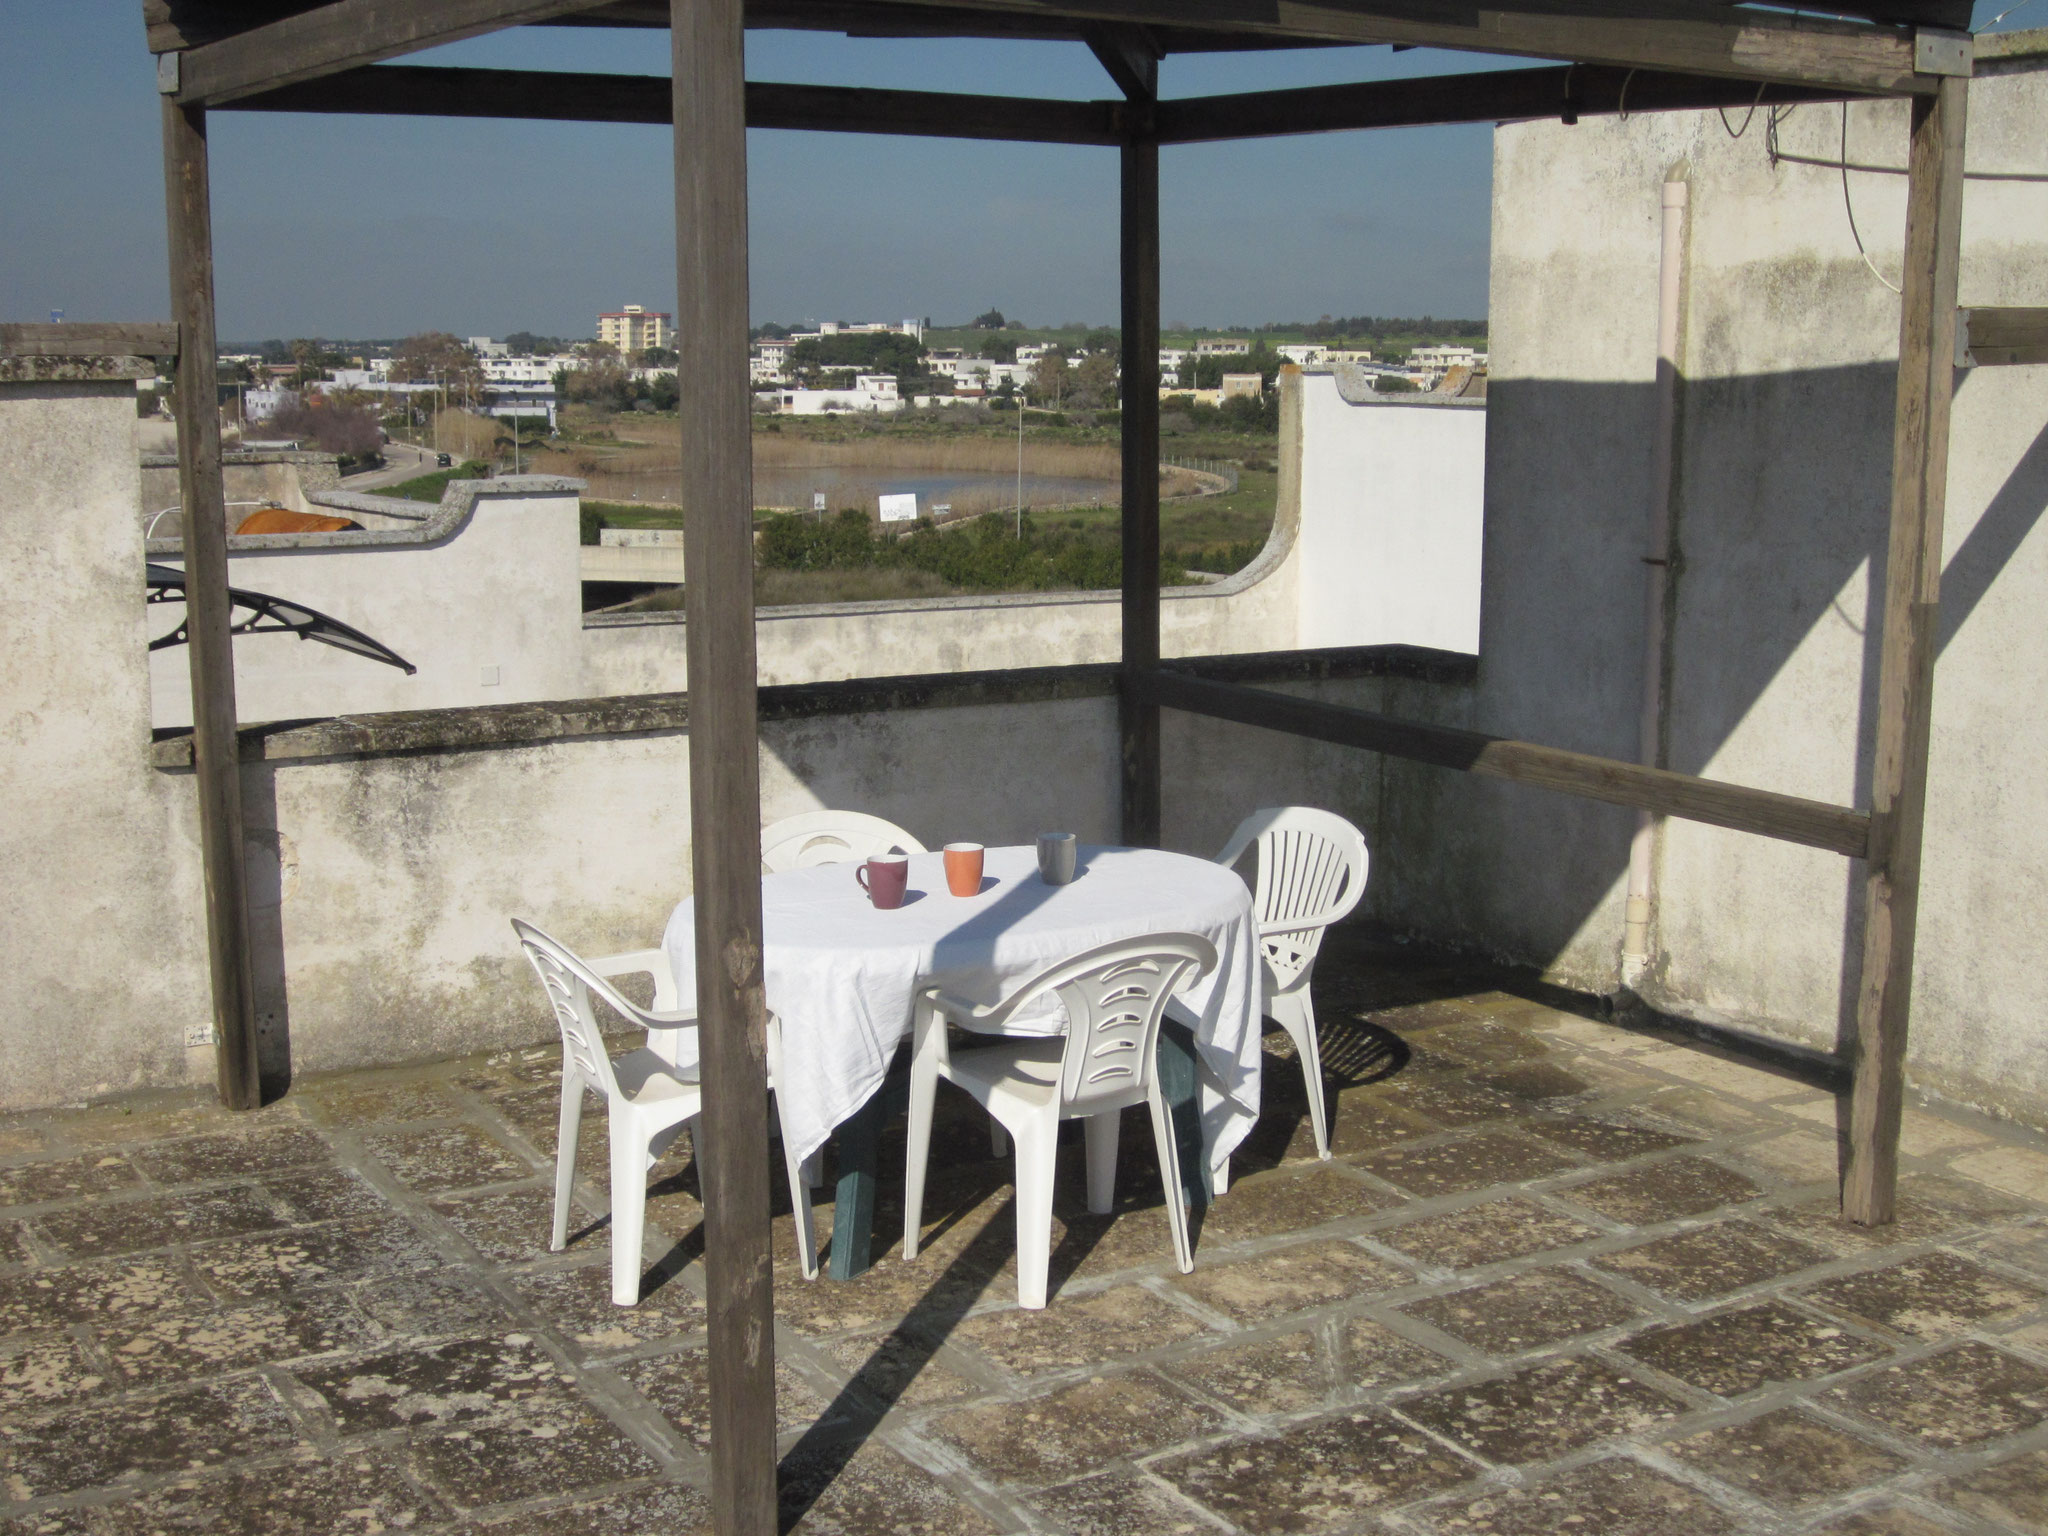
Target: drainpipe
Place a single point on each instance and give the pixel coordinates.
(1635, 944)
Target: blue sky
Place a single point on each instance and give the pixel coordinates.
(342, 226)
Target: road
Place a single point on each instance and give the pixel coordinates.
(402, 461)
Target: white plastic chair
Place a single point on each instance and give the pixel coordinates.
(1312, 869)
(645, 1095)
(830, 837)
(1114, 996)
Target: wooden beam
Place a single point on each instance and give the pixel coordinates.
(1785, 817)
(1989, 338)
(1131, 58)
(545, 95)
(89, 339)
(1687, 38)
(338, 36)
(1137, 710)
(1905, 684)
(725, 767)
(215, 748)
(1490, 97)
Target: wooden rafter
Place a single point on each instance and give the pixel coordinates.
(338, 36)
(1589, 90)
(1697, 37)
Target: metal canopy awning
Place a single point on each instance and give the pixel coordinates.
(269, 616)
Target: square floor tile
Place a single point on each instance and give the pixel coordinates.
(438, 1384)
(1711, 1261)
(1605, 1141)
(1959, 1397)
(1486, 1234)
(1680, 1186)
(2014, 1492)
(1542, 1411)
(824, 1492)
(1524, 1312)
(1285, 1280)
(170, 1432)
(440, 1158)
(680, 1386)
(1467, 1162)
(1787, 1457)
(1081, 1331)
(1607, 1498)
(553, 1448)
(1119, 1504)
(96, 1173)
(1736, 1352)
(1313, 1476)
(1076, 1430)
(1288, 1374)
(1929, 1297)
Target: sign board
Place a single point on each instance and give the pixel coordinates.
(900, 509)
(941, 510)
(818, 502)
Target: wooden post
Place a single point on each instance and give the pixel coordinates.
(725, 787)
(1138, 714)
(215, 750)
(1905, 689)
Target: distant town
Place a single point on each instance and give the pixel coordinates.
(824, 367)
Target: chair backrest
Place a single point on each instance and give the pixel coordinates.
(830, 837)
(570, 985)
(1312, 870)
(1115, 995)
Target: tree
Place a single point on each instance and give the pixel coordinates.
(437, 357)
(1095, 381)
(1049, 377)
(343, 424)
(888, 352)
(992, 320)
(527, 344)
(1103, 339)
(1000, 349)
(655, 357)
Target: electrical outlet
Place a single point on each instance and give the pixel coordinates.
(489, 678)
(199, 1034)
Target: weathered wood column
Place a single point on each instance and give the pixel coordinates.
(215, 751)
(1905, 689)
(725, 788)
(1138, 715)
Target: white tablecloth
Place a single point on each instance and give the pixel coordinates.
(842, 976)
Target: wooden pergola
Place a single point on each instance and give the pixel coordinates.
(1607, 56)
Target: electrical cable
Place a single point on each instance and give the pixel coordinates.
(1850, 207)
(1736, 133)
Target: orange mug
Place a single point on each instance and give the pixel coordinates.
(963, 868)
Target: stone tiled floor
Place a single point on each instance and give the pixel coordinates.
(1560, 1277)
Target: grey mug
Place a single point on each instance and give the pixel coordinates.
(1056, 852)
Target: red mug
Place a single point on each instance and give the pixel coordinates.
(885, 878)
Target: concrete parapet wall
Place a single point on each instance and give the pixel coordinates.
(1787, 369)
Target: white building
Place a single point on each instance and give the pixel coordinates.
(874, 393)
(1303, 354)
(484, 347)
(1221, 346)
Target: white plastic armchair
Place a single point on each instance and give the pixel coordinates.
(830, 837)
(645, 1094)
(1312, 870)
(1114, 996)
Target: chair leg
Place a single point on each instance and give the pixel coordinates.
(917, 1152)
(1296, 1014)
(629, 1208)
(1100, 1131)
(567, 1129)
(1037, 1166)
(800, 1205)
(1169, 1169)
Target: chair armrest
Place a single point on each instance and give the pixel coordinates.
(665, 1019)
(651, 962)
(951, 1007)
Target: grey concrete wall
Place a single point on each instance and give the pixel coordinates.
(1788, 367)
(101, 939)
(249, 478)
(483, 598)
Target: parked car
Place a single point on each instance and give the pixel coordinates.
(443, 460)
